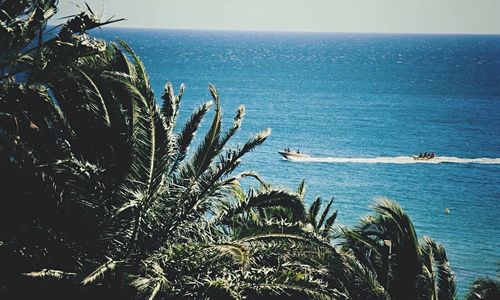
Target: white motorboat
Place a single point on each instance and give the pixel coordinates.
(291, 155)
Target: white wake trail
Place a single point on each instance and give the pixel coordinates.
(398, 160)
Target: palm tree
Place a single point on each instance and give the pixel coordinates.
(319, 225)
(104, 200)
(484, 288)
(35, 138)
(385, 258)
(260, 230)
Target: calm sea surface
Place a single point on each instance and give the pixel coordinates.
(379, 98)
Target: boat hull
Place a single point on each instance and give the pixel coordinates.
(293, 155)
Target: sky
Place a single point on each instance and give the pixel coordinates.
(388, 16)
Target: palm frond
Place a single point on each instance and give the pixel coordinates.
(170, 106)
(290, 239)
(141, 78)
(238, 252)
(98, 108)
(332, 217)
(228, 162)
(51, 274)
(121, 64)
(223, 287)
(240, 113)
(362, 281)
(301, 190)
(445, 283)
(329, 223)
(274, 198)
(313, 212)
(295, 291)
(392, 214)
(152, 285)
(208, 149)
(98, 273)
(354, 238)
(257, 177)
(186, 136)
(484, 288)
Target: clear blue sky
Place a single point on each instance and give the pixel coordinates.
(413, 16)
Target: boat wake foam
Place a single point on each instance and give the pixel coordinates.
(398, 160)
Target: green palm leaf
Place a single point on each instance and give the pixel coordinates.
(98, 273)
(186, 136)
(48, 273)
(207, 150)
(273, 198)
(238, 252)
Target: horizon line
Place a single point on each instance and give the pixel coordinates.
(299, 31)
(116, 25)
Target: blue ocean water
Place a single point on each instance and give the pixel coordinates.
(359, 96)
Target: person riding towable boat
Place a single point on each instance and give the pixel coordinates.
(425, 156)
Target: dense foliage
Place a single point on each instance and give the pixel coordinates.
(484, 288)
(104, 195)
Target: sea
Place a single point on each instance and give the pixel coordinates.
(360, 105)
